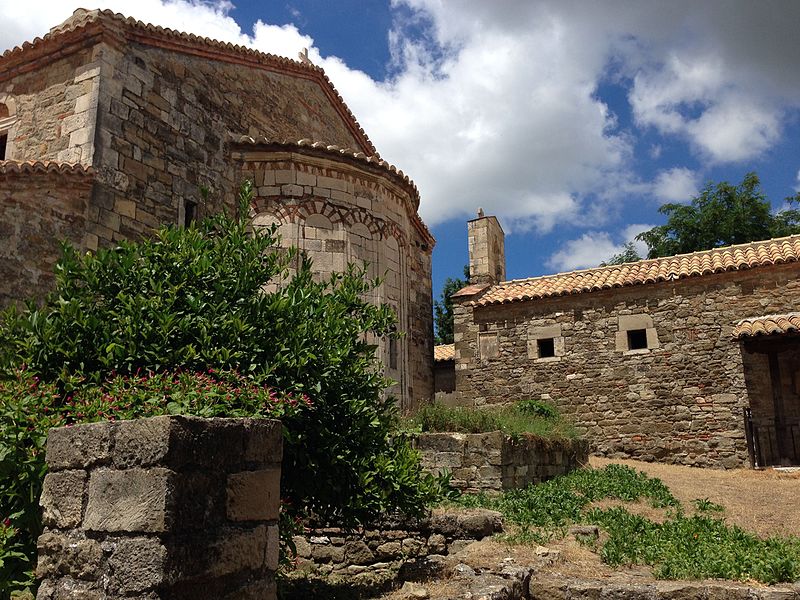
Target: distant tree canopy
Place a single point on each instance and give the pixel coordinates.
(723, 214)
(443, 308)
(628, 254)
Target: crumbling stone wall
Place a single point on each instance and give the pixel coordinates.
(167, 507)
(492, 462)
(38, 210)
(680, 402)
(395, 546)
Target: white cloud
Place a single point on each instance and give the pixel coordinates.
(587, 251)
(594, 247)
(504, 113)
(676, 185)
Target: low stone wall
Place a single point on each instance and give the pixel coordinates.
(394, 548)
(167, 507)
(492, 462)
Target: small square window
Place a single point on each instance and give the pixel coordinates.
(546, 347)
(637, 339)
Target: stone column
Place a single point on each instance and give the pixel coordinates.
(161, 508)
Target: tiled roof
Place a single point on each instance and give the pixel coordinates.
(444, 352)
(767, 325)
(306, 145)
(148, 33)
(671, 268)
(15, 167)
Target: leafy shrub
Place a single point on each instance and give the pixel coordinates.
(515, 420)
(195, 300)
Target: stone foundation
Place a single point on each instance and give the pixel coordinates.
(167, 507)
(395, 548)
(492, 462)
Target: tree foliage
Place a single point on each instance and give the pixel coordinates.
(723, 214)
(443, 308)
(205, 299)
(628, 254)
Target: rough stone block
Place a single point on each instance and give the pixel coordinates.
(135, 500)
(68, 554)
(254, 495)
(62, 498)
(143, 442)
(137, 565)
(79, 447)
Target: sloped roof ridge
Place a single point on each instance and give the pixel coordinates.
(654, 270)
(28, 167)
(766, 325)
(357, 155)
(83, 17)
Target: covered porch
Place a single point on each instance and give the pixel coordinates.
(770, 347)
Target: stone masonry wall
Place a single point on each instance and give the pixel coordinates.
(165, 119)
(679, 401)
(397, 545)
(37, 212)
(161, 508)
(56, 108)
(338, 214)
(492, 462)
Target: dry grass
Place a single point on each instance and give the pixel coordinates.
(764, 502)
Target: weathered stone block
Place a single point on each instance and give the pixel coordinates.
(137, 565)
(135, 500)
(62, 498)
(254, 495)
(143, 442)
(68, 554)
(79, 447)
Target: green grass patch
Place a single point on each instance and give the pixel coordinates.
(527, 417)
(684, 546)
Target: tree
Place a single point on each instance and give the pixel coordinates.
(723, 214)
(628, 254)
(443, 308)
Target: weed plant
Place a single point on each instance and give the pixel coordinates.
(699, 546)
(527, 417)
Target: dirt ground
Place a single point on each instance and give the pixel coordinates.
(764, 502)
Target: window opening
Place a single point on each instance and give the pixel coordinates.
(546, 347)
(189, 213)
(3, 145)
(637, 339)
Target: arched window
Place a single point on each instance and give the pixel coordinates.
(7, 120)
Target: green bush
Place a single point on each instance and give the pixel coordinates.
(196, 299)
(528, 417)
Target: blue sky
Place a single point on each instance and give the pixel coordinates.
(571, 121)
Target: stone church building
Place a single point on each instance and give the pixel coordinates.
(691, 359)
(110, 127)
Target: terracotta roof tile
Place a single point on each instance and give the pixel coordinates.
(444, 352)
(15, 167)
(306, 144)
(767, 325)
(82, 18)
(671, 268)
(470, 290)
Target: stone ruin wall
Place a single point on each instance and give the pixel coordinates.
(494, 462)
(178, 508)
(681, 402)
(340, 214)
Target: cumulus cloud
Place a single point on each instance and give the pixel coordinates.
(496, 104)
(678, 184)
(593, 247)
